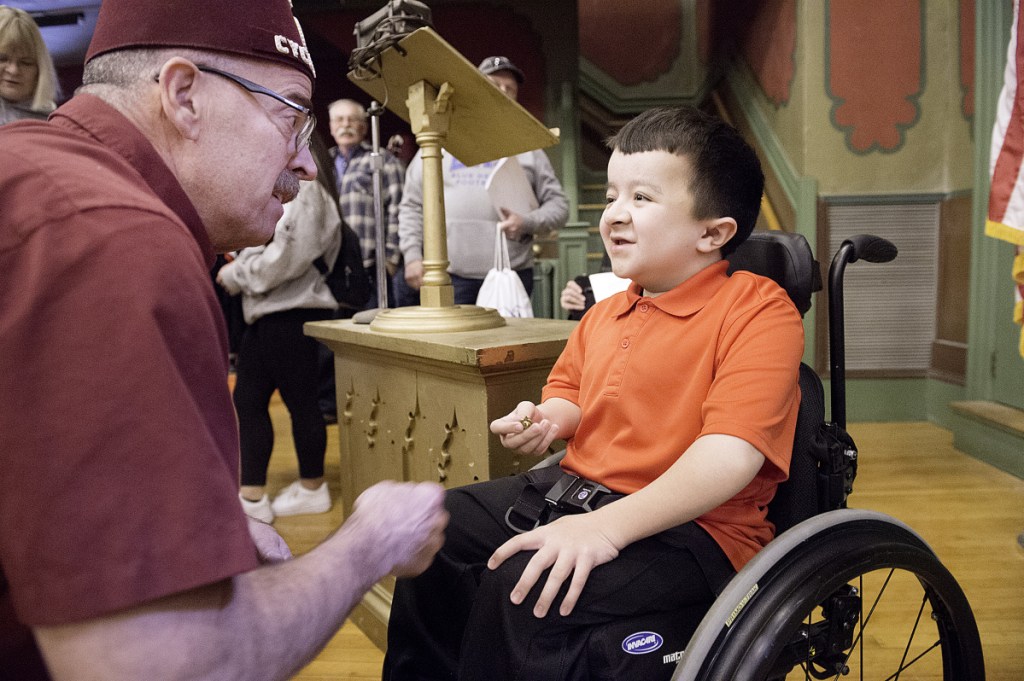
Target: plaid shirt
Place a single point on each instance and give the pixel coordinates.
(355, 189)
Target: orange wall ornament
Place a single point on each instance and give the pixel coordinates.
(633, 43)
(874, 61)
(769, 48)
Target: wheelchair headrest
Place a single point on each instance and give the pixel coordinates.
(784, 257)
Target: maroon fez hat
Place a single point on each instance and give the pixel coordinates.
(263, 29)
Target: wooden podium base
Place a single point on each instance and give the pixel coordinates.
(418, 406)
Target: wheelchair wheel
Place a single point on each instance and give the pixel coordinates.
(861, 596)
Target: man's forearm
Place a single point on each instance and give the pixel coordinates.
(264, 624)
(301, 604)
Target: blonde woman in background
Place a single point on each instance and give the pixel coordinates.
(28, 80)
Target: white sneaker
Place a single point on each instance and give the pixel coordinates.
(297, 500)
(260, 510)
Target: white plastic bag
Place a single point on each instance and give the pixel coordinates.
(502, 289)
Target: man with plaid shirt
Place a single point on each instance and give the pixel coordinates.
(354, 172)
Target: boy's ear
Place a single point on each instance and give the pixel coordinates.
(716, 234)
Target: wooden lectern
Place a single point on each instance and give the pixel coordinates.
(448, 103)
(417, 389)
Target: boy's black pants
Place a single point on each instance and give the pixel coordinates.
(455, 621)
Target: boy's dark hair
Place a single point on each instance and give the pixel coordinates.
(727, 177)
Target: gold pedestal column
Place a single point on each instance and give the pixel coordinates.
(419, 406)
(430, 113)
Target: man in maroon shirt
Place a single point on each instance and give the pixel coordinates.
(124, 553)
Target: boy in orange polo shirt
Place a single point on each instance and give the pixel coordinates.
(678, 400)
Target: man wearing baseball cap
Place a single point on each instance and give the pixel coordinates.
(124, 552)
(493, 65)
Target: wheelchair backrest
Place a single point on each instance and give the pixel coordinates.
(787, 259)
(783, 257)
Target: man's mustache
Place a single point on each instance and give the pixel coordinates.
(287, 186)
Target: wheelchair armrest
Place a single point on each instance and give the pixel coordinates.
(549, 460)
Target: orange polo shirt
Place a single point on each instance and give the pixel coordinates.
(716, 354)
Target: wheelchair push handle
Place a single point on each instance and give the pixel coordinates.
(860, 247)
(871, 248)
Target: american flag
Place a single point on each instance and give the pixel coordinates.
(1006, 199)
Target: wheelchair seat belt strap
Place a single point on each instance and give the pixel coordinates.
(569, 494)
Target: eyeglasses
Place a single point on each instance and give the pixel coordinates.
(303, 126)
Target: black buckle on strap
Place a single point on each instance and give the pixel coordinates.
(569, 494)
(573, 494)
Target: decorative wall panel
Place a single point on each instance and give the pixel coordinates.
(874, 73)
(634, 46)
(769, 48)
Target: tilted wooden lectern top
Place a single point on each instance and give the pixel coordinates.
(448, 103)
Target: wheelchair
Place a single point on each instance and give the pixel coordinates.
(807, 606)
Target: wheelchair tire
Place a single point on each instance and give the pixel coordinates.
(778, 631)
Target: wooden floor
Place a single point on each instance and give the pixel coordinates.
(969, 512)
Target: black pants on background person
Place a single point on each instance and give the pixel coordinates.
(371, 273)
(276, 355)
(455, 621)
